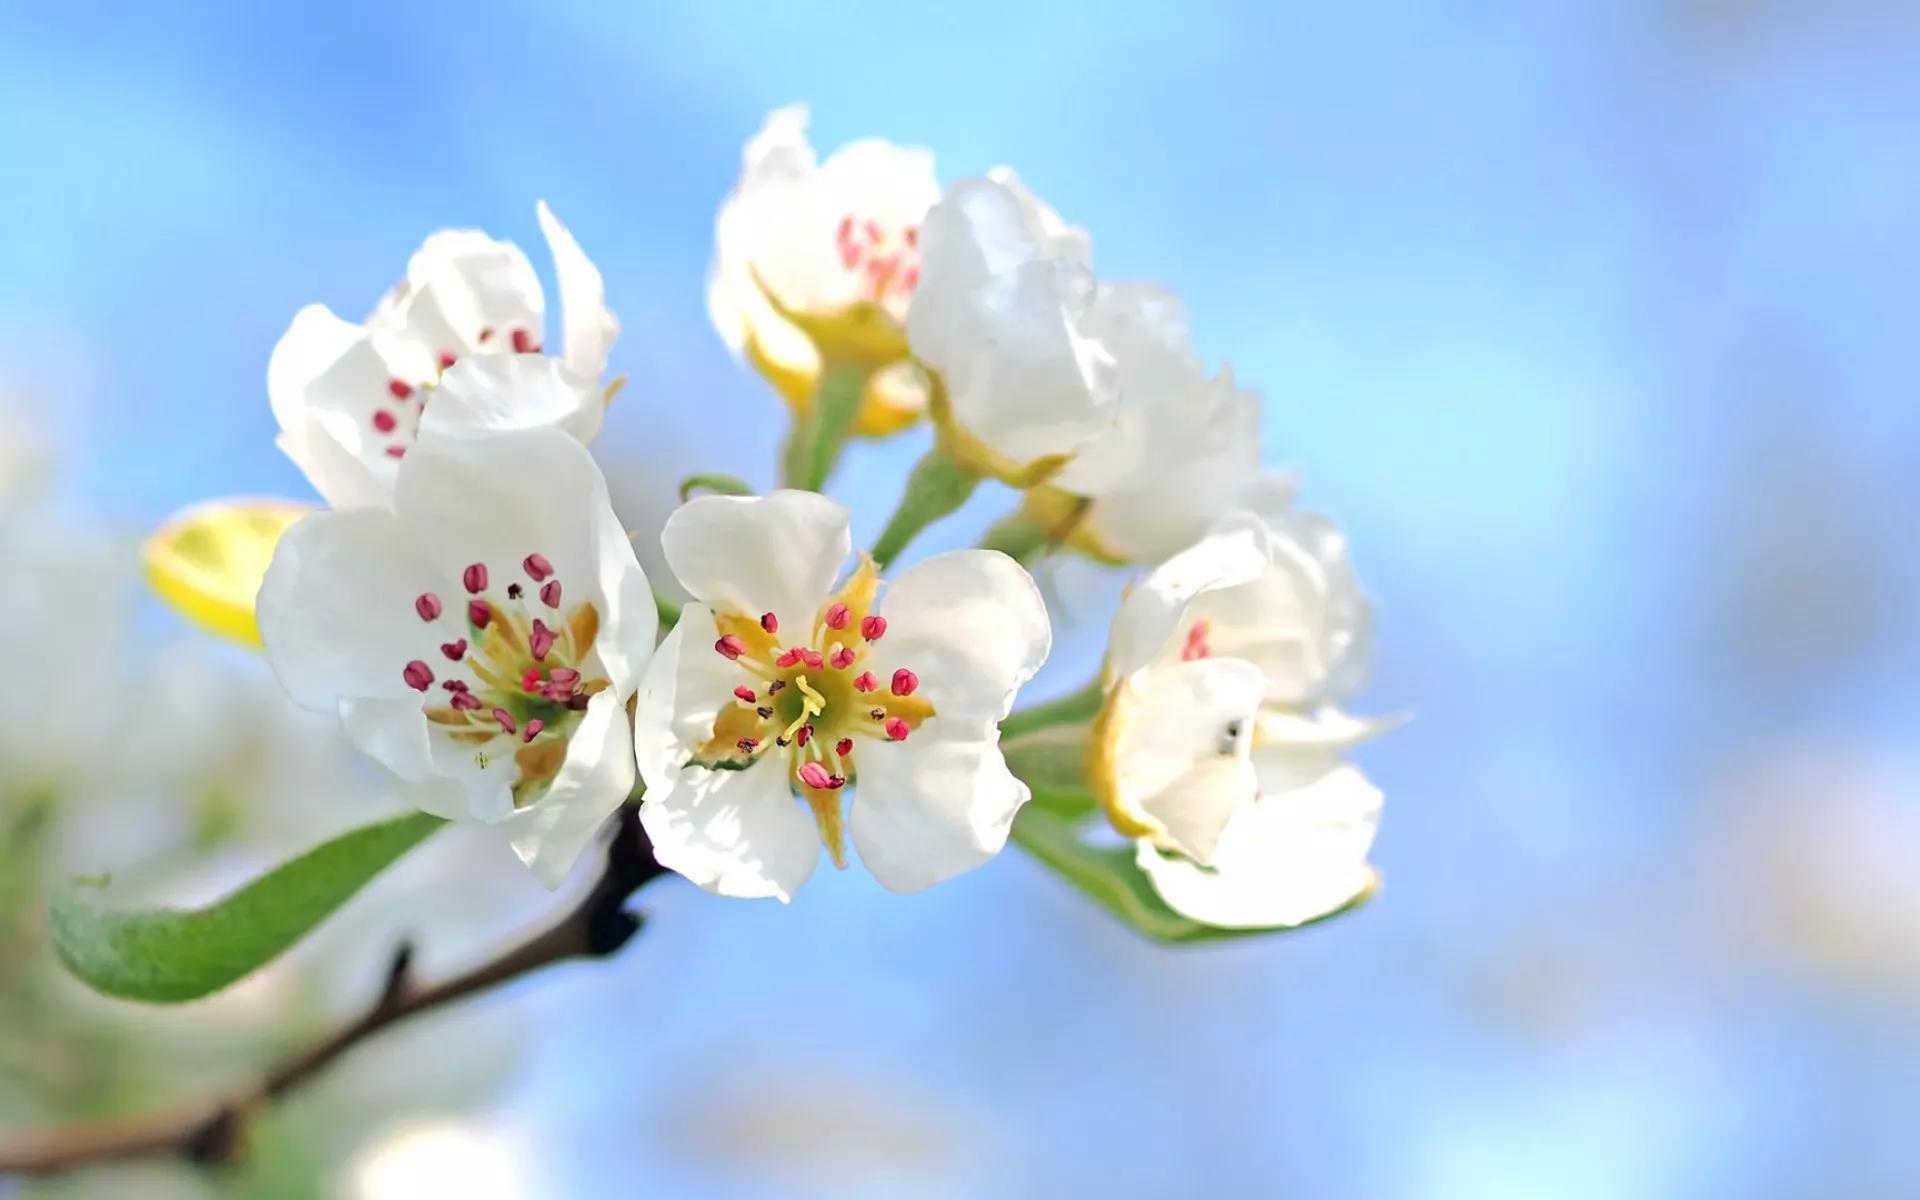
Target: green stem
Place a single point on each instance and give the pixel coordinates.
(1075, 707)
(813, 448)
(1017, 535)
(937, 486)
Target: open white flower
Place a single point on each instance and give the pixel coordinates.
(1003, 313)
(350, 399)
(774, 685)
(1218, 746)
(1183, 449)
(480, 638)
(833, 243)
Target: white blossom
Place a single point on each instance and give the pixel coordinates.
(351, 399)
(775, 684)
(1218, 747)
(480, 638)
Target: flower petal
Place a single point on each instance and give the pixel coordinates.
(778, 553)
(1181, 739)
(1284, 860)
(498, 499)
(933, 806)
(495, 393)
(325, 381)
(588, 326)
(462, 284)
(1144, 628)
(336, 608)
(550, 834)
(972, 625)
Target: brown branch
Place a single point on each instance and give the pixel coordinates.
(214, 1132)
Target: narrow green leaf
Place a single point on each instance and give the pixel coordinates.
(937, 486)
(166, 956)
(1108, 875)
(716, 483)
(1053, 763)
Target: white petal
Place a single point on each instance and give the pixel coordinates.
(1002, 319)
(550, 834)
(734, 833)
(680, 696)
(778, 553)
(1182, 737)
(495, 393)
(393, 732)
(588, 326)
(1284, 860)
(497, 499)
(777, 155)
(325, 381)
(1057, 238)
(336, 607)
(972, 625)
(1323, 727)
(935, 805)
(1152, 613)
(462, 283)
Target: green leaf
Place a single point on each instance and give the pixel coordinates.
(937, 486)
(1108, 875)
(1053, 763)
(166, 956)
(716, 483)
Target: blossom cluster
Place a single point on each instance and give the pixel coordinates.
(471, 607)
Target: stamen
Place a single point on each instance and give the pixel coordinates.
(540, 641)
(530, 680)
(532, 730)
(838, 615)
(427, 605)
(865, 682)
(486, 333)
(897, 729)
(396, 451)
(878, 714)
(812, 659)
(841, 658)
(873, 628)
(538, 567)
(904, 681)
(384, 421)
(400, 389)
(730, 646)
(447, 360)
(747, 744)
(769, 622)
(466, 702)
(455, 685)
(804, 736)
(763, 712)
(454, 650)
(419, 676)
(522, 341)
(776, 686)
(479, 613)
(515, 591)
(843, 747)
(507, 724)
(475, 578)
(788, 659)
(815, 776)
(550, 594)
(745, 694)
(564, 676)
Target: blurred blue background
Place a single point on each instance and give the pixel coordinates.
(1593, 323)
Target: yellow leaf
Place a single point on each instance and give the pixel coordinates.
(208, 561)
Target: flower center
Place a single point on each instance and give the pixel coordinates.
(517, 674)
(811, 695)
(397, 412)
(887, 261)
